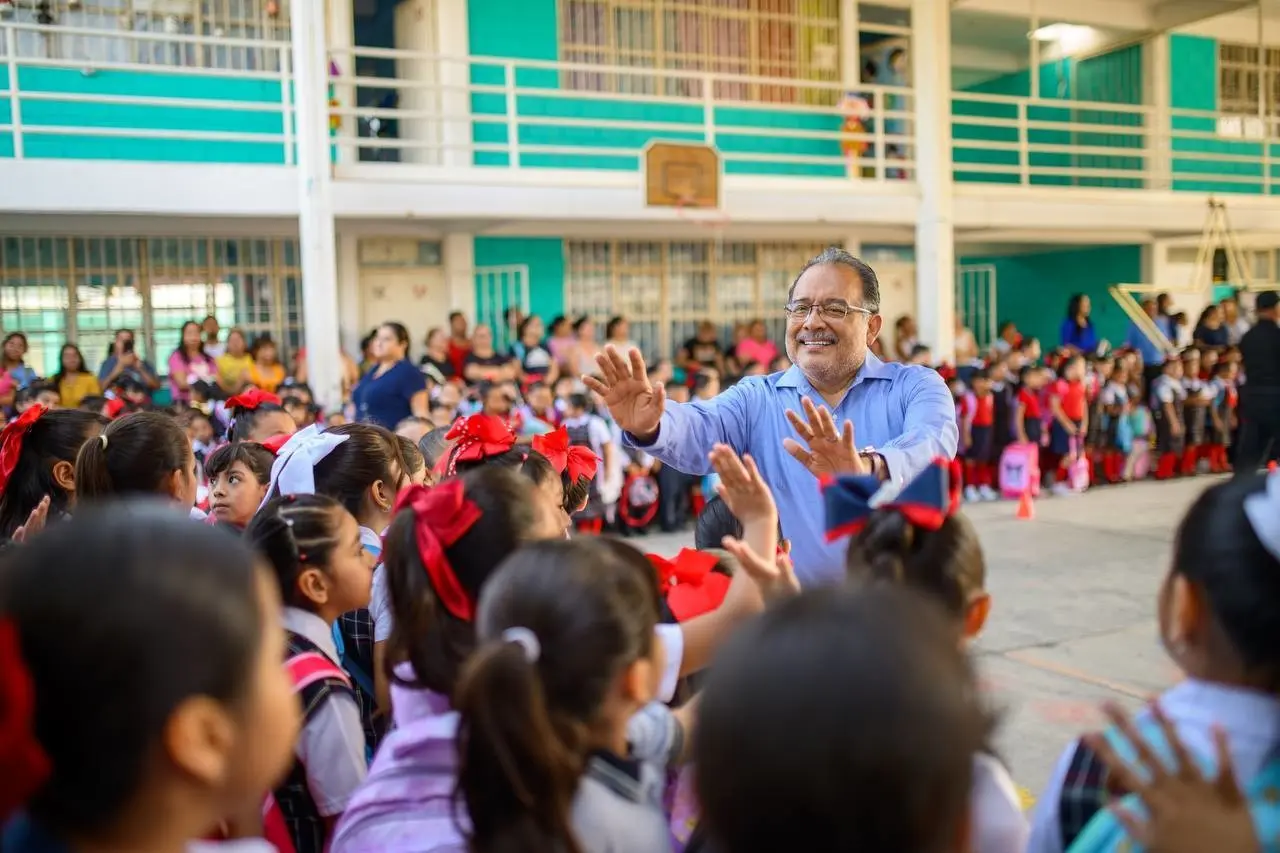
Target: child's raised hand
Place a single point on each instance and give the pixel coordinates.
(742, 488)
(776, 578)
(35, 521)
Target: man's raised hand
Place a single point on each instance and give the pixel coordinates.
(826, 451)
(635, 403)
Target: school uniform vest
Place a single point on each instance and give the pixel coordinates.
(305, 823)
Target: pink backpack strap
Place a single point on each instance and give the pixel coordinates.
(309, 667)
(274, 828)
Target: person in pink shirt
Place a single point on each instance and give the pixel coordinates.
(756, 346)
(190, 363)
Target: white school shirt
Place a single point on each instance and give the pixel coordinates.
(1115, 394)
(1250, 719)
(331, 746)
(999, 825)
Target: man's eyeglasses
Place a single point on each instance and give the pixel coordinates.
(834, 311)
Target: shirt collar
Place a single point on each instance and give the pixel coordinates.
(371, 541)
(872, 368)
(1236, 709)
(620, 775)
(312, 627)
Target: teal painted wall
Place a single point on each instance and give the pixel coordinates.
(84, 145)
(545, 257)
(1032, 290)
(1193, 66)
(528, 29)
(1114, 77)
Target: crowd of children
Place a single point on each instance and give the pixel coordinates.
(1070, 421)
(368, 644)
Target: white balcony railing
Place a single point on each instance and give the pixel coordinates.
(528, 114)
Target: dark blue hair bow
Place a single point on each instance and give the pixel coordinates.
(927, 501)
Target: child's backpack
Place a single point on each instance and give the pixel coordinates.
(1078, 468)
(304, 670)
(639, 500)
(1020, 470)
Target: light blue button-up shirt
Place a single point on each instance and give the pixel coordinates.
(904, 412)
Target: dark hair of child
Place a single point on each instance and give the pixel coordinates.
(882, 716)
(136, 454)
(1025, 371)
(164, 612)
(433, 445)
(1218, 552)
(424, 633)
(414, 463)
(1068, 363)
(715, 522)
(55, 438)
(945, 564)
(536, 467)
(522, 733)
(292, 532)
(253, 456)
(244, 421)
(370, 453)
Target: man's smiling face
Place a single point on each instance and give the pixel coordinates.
(830, 351)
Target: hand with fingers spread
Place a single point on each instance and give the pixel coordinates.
(826, 450)
(635, 403)
(35, 521)
(743, 489)
(1185, 812)
(776, 578)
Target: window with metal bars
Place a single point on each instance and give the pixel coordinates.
(1248, 81)
(665, 289)
(81, 289)
(739, 39)
(266, 20)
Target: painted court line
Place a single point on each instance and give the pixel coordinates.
(1078, 675)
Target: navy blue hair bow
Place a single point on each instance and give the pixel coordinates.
(927, 501)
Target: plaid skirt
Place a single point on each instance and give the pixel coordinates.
(1166, 441)
(1195, 418)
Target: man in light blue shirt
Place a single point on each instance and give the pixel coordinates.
(1151, 353)
(904, 415)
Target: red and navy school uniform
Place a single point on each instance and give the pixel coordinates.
(330, 761)
(1114, 401)
(1225, 400)
(980, 414)
(1167, 399)
(1032, 414)
(1195, 415)
(1005, 394)
(1073, 401)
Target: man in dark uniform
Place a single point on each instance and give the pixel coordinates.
(1260, 395)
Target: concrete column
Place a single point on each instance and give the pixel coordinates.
(850, 46)
(453, 40)
(460, 273)
(315, 203)
(341, 38)
(1157, 76)
(350, 310)
(935, 234)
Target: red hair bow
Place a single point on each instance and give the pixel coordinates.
(478, 437)
(441, 516)
(577, 460)
(252, 400)
(688, 583)
(276, 442)
(24, 766)
(11, 438)
(114, 408)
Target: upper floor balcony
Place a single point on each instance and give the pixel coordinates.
(404, 121)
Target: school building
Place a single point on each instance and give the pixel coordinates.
(310, 168)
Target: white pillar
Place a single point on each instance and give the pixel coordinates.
(1157, 74)
(460, 273)
(342, 38)
(453, 44)
(315, 203)
(350, 311)
(935, 235)
(850, 46)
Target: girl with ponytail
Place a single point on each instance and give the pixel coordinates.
(567, 657)
(257, 415)
(37, 463)
(145, 453)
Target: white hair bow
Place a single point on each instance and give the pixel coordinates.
(1263, 511)
(293, 472)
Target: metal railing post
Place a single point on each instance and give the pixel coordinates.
(15, 102)
(1024, 145)
(286, 103)
(513, 114)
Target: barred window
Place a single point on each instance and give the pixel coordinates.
(265, 20)
(1244, 81)
(81, 289)
(777, 39)
(665, 289)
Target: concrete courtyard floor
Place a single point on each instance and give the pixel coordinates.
(1073, 617)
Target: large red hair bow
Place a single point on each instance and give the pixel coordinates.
(252, 399)
(688, 583)
(276, 442)
(442, 515)
(11, 438)
(24, 766)
(575, 459)
(478, 437)
(927, 501)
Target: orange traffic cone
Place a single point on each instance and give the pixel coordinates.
(1026, 507)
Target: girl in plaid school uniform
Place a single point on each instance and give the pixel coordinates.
(1195, 412)
(193, 717)
(1216, 613)
(1167, 399)
(323, 571)
(1222, 412)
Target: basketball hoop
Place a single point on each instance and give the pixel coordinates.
(686, 177)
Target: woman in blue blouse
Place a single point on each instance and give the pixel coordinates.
(1077, 329)
(393, 389)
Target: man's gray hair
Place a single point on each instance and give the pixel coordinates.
(834, 255)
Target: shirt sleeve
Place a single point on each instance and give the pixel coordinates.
(929, 428)
(332, 749)
(413, 380)
(1164, 392)
(655, 735)
(1046, 831)
(998, 823)
(380, 606)
(672, 639)
(688, 431)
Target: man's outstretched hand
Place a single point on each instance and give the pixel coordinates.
(635, 403)
(826, 450)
